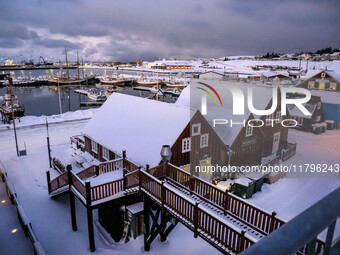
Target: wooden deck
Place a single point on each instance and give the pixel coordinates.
(226, 221)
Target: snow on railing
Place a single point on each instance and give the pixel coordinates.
(22, 216)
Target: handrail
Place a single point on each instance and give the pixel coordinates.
(307, 225)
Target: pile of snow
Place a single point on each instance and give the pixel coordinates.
(67, 116)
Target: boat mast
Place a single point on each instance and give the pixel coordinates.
(78, 64)
(82, 68)
(67, 71)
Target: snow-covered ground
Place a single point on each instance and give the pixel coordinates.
(51, 218)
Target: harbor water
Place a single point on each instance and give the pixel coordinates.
(44, 100)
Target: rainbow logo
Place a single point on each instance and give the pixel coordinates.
(209, 93)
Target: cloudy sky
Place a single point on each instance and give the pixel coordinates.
(123, 30)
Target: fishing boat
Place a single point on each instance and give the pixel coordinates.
(114, 79)
(64, 78)
(6, 108)
(96, 95)
(173, 83)
(146, 81)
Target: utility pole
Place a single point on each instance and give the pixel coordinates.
(48, 145)
(13, 119)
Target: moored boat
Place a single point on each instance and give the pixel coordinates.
(96, 95)
(6, 108)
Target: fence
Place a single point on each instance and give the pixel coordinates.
(289, 152)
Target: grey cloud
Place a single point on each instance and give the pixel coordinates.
(151, 29)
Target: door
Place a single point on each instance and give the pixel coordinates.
(276, 142)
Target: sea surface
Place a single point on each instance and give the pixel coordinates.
(44, 100)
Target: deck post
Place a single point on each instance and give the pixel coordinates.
(124, 179)
(163, 214)
(72, 203)
(226, 201)
(241, 241)
(147, 168)
(195, 220)
(140, 180)
(89, 216)
(146, 222)
(272, 221)
(124, 157)
(48, 181)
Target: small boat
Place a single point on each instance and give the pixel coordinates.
(172, 83)
(6, 108)
(115, 79)
(96, 95)
(146, 81)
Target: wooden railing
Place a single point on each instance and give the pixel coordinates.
(253, 215)
(231, 238)
(178, 175)
(209, 191)
(288, 153)
(198, 218)
(107, 189)
(158, 171)
(87, 173)
(79, 185)
(110, 166)
(130, 166)
(59, 182)
(132, 179)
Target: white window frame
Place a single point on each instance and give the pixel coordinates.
(323, 75)
(269, 119)
(94, 146)
(332, 85)
(186, 144)
(198, 125)
(249, 130)
(311, 84)
(204, 140)
(278, 117)
(105, 153)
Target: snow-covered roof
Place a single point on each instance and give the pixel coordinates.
(138, 125)
(295, 111)
(269, 74)
(328, 97)
(191, 97)
(335, 74)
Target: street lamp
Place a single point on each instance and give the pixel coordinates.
(166, 153)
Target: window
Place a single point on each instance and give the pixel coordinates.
(196, 129)
(249, 131)
(94, 146)
(323, 75)
(299, 121)
(318, 118)
(332, 86)
(106, 153)
(186, 144)
(204, 140)
(319, 105)
(269, 119)
(321, 85)
(278, 117)
(311, 84)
